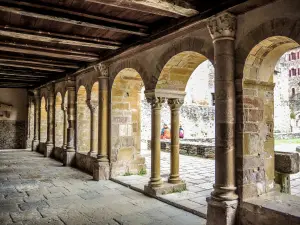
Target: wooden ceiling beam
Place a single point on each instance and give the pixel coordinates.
(61, 36)
(50, 7)
(21, 75)
(30, 61)
(82, 23)
(11, 79)
(46, 39)
(166, 8)
(39, 51)
(16, 65)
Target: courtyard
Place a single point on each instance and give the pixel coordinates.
(198, 174)
(38, 190)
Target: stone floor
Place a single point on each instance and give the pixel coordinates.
(198, 173)
(38, 190)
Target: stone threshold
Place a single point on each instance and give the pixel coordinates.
(140, 188)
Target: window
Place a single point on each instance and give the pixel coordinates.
(293, 92)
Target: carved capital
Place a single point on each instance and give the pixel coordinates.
(175, 103)
(102, 70)
(222, 26)
(156, 102)
(70, 83)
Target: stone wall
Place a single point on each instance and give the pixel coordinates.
(13, 120)
(84, 162)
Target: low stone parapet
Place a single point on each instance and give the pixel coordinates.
(206, 150)
(286, 163)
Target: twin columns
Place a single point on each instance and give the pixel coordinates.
(175, 104)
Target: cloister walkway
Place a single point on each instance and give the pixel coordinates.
(38, 190)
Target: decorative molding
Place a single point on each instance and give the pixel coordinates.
(5, 110)
(222, 26)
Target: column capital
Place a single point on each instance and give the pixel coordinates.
(175, 103)
(71, 83)
(36, 93)
(102, 70)
(51, 89)
(156, 102)
(222, 26)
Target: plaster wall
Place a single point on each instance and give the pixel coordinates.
(13, 128)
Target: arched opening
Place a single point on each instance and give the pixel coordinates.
(190, 75)
(43, 121)
(31, 121)
(259, 77)
(95, 115)
(59, 121)
(125, 123)
(83, 121)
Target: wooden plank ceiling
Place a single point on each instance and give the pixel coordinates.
(43, 40)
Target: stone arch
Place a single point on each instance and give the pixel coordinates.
(83, 121)
(59, 120)
(177, 71)
(43, 120)
(188, 44)
(134, 64)
(255, 116)
(283, 27)
(125, 122)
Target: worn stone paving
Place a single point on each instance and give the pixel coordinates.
(38, 190)
(198, 173)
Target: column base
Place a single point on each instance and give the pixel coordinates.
(221, 212)
(174, 180)
(49, 150)
(69, 158)
(165, 188)
(101, 170)
(35, 145)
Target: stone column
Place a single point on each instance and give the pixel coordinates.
(64, 109)
(223, 201)
(69, 153)
(101, 165)
(93, 107)
(50, 121)
(175, 105)
(36, 139)
(156, 103)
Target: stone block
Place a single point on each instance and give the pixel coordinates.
(286, 162)
(101, 170)
(49, 150)
(69, 158)
(221, 212)
(165, 188)
(35, 145)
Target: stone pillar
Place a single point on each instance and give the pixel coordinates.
(175, 105)
(101, 165)
(69, 153)
(36, 139)
(93, 107)
(64, 109)
(222, 204)
(155, 179)
(50, 121)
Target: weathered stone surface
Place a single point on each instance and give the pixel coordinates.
(286, 162)
(102, 202)
(166, 188)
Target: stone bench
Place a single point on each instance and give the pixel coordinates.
(286, 163)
